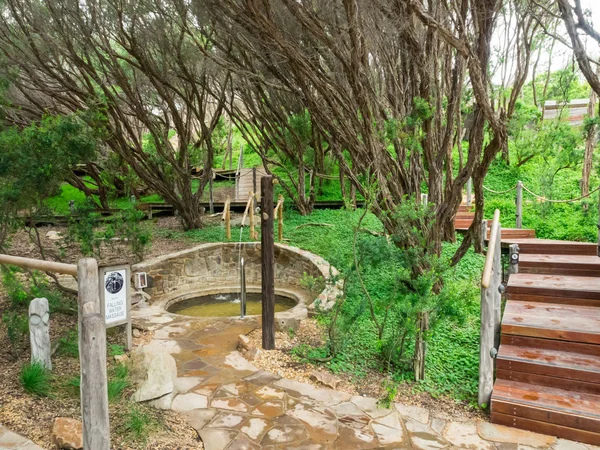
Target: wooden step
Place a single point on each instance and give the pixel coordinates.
(557, 412)
(553, 247)
(514, 233)
(552, 321)
(465, 208)
(553, 368)
(550, 344)
(557, 288)
(577, 265)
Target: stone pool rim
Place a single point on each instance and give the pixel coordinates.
(308, 302)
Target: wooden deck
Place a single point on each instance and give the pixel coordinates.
(548, 363)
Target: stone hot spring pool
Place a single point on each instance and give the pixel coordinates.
(227, 305)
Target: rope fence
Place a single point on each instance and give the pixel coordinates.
(541, 197)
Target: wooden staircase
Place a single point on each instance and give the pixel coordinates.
(464, 219)
(548, 363)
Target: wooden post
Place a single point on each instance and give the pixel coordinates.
(519, 202)
(241, 156)
(251, 215)
(227, 218)
(267, 247)
(513, 252)
(484, 228)
(92, 356)
(210, 192)
(279, 210)
(254, 184)
(469, 191)
(598, 251)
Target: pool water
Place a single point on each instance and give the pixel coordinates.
(226, 305)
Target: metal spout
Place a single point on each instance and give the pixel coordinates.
(243, 288)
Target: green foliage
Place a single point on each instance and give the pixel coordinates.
(118, 381)
(35, 379)
(115, 350)
(90, 230)
(69, 345)
(312, 284)
(17, 327)
(138, 424)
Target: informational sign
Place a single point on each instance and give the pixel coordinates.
(114, 297)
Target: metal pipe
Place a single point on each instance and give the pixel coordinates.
(243, 288)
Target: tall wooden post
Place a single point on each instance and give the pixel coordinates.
(210, 193)
(484, 228)
(469, 191)
(254, 185)
(227, 218)
(519, 202)
(267, 248)
(92, 355)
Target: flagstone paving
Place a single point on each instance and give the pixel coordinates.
(13, 441)
(235, 406)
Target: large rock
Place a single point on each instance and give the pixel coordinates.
(155, 372)
(67, 433)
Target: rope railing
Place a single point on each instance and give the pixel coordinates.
(541, 197)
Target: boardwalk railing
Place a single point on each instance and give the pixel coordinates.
(92, 345)
(490, 312)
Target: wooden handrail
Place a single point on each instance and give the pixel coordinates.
(489, 258)
(250, 202)
(38, 264)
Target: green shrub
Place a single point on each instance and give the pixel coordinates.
(118, 381)
(17, 327)
(138, 424)
(35, 379)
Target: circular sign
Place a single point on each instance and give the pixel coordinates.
(114, 282)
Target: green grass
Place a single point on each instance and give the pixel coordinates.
(69, 344)
(35, 379)
(138, 424)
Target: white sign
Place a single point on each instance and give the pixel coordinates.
(115, 296)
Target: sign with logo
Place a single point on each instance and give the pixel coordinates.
(114, 294)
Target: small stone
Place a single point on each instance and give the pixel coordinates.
(325, 378)
(136, 333)
(500, 433)
(67, 433)
(244, 342)
(252, 354)
(53, 235)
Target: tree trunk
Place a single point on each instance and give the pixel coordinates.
(590, 143)
(421, 346)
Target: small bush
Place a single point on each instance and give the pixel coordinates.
(17, 327)
(35, 379)
(117, 382)
(138, 424)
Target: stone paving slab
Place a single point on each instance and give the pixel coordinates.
(13, 441)
(235, 406)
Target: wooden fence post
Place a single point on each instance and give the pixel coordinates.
(519, 202)
(92, 356)
(210, 193)
(469, 191)
(267, 247)
(227, 218)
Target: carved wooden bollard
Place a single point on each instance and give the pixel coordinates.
(39, 332)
